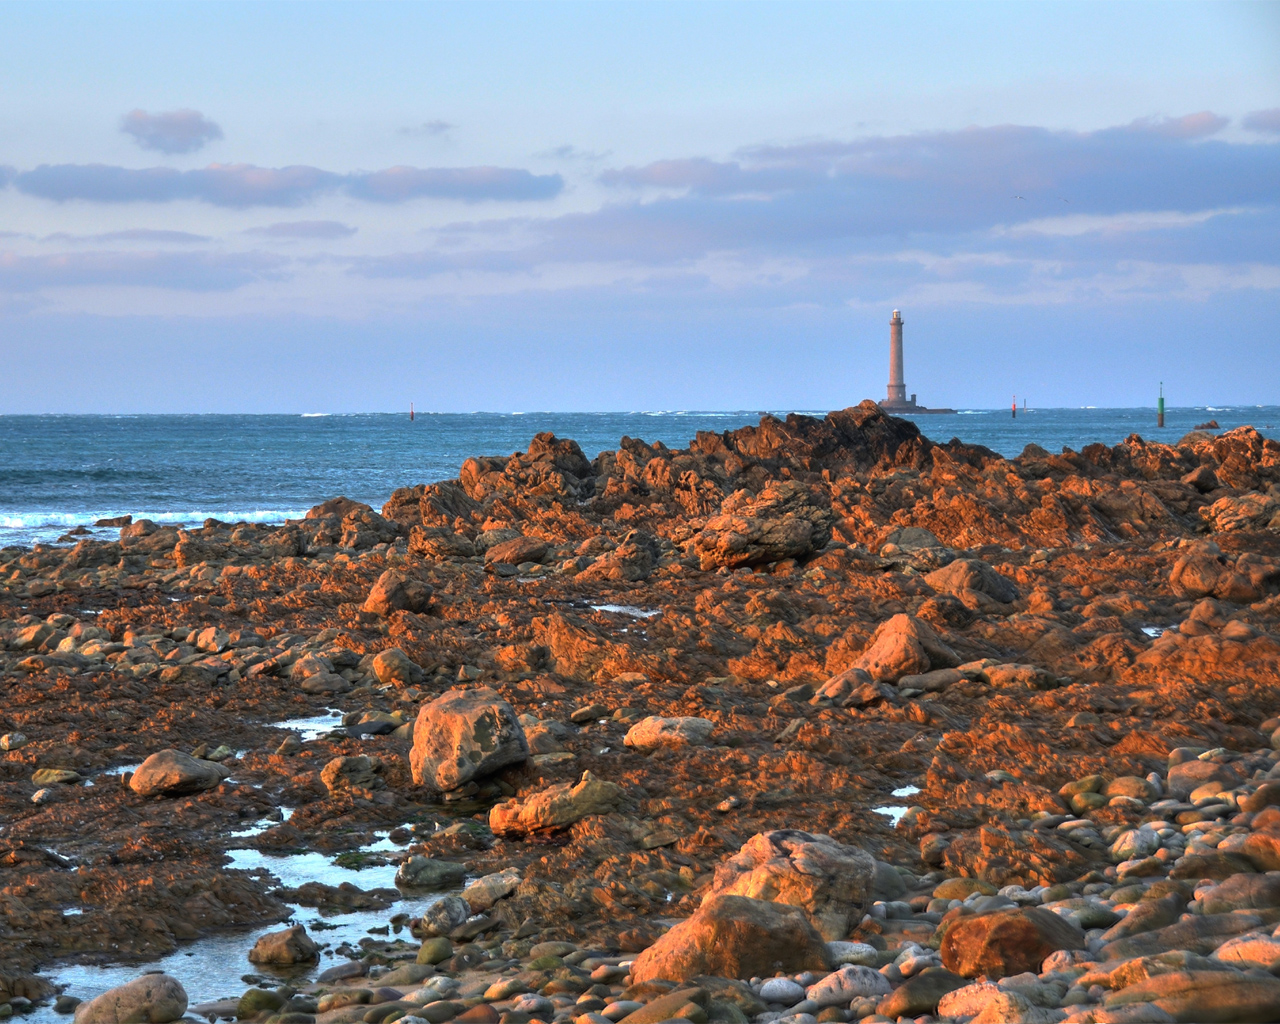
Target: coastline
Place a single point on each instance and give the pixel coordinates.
(1049, 649)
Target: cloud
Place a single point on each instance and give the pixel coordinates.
(244, 185)
(998, 214)
(1077, 224)
(148, 235)
(1263, 121)
(1189, 126)
(199, 272)
(176, 131)
(428, 128)
(236, 185)
(940, 182)
(427, 264)
(305, 229)
(469, 184)
(568, 152)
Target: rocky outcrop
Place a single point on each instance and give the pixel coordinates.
(517, 551)
(464, 735)
(829, 880)
(290, 946)
(395, 591)
(784, 521)
(974, 582)
(904, 645)
(1104, 752)
(556, 807)
(734, 937)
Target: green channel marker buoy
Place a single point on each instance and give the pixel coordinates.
(1160, 407)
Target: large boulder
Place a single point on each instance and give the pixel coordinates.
(341, 506)
(1205, 997)
(518, 550)
(904, 646)
(654, 733)
(1242, 892)
(632, 560)
(1196, 573)
(830, 881)
(437, 542)
(1252, 511)
(745, 540)
(393, 666)
(363, 528)
(1190, 775)
(734, 937)
(289, 946)
(151, 999)
(314, 674)
(485, 891)
(555, 807)
(1250, 950)
(1006, 942)
(443, 916)
(783, 521)
(173, 773)
(463, 735)
(1195, 933)
(356, 774)
(974, 582)
(420, 872)
(394, 591)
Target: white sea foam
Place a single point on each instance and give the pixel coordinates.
(45, 527)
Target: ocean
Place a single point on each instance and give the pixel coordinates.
(59, 472)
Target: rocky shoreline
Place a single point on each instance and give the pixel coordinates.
(816, 721)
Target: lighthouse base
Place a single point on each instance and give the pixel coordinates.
(912, 409)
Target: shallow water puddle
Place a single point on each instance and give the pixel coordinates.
(211, 968)
(313, 726)
(627, 609)
(893, 812)
(297, 869)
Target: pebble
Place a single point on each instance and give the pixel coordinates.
(846, 984)
(781, 990)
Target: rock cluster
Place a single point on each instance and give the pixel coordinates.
(813, 721)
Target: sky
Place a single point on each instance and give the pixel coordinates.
(604, 206)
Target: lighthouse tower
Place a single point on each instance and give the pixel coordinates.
(897, 386)
(896, 401)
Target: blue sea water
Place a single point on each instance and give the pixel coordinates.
(58, 472)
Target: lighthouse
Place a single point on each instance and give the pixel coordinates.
(896, 400)
(897, 386)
